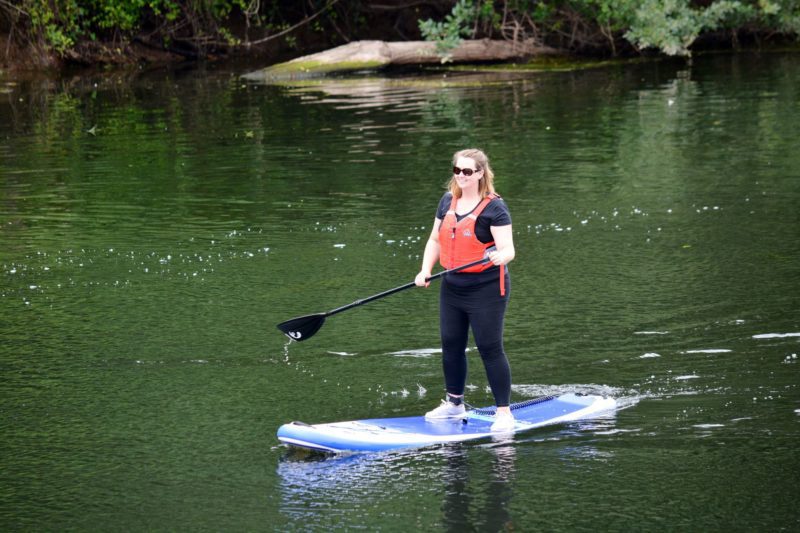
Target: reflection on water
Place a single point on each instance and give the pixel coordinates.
(457, 487)
(463, 508)
(466, 490)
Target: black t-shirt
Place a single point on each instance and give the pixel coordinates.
(496, 213)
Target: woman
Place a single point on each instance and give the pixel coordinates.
(472, 222)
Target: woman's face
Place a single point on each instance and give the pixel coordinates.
(471, 167)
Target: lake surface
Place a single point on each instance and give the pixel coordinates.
(155, 227)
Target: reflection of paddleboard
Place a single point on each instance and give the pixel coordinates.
(414, 432)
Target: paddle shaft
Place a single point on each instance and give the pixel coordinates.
(403, 287)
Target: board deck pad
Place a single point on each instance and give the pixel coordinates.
(377, 434)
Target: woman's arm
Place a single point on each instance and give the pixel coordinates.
(504, 242)
(430, 256)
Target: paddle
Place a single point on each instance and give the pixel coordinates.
(304, 327)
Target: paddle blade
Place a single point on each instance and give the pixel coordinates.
(302, 328)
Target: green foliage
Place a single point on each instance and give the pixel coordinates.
(673, 25)
(60, 34)
(63, 23)
(670, 26)
(784, 15)
(449, 32)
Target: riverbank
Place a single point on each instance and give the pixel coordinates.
(34, 62)
(89, 56)
(54, 37)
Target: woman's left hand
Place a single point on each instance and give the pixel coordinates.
(497, 257)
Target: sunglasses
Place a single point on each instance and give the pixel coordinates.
(465, 171)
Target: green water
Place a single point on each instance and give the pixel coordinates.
(154, 229)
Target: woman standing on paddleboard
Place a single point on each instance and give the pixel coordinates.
(472, 222)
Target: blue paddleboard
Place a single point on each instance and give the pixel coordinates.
(378, 434)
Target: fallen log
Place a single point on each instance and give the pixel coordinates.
(366, 55)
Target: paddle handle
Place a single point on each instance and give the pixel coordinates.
(403, 287)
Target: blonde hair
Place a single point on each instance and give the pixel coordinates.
(486, 184)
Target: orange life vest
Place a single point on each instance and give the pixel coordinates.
(458, 243)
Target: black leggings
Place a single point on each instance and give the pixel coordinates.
(484, 309)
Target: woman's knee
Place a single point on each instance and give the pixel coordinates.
(491, 350)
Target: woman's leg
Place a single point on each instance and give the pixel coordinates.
(486, 316)
(454, 328)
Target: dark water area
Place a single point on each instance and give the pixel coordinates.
(155, 228)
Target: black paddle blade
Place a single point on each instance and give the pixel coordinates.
(303, 327)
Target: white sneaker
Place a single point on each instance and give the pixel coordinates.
(503, 421)
(446, 410)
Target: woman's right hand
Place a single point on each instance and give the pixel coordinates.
(422, 279)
